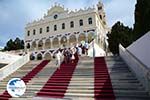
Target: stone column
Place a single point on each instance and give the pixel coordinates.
(36, 48)
(86, 36)
(77, 38)
(59, 41)
(25, 46)
(67, 41)
(97, 34)
(51, 42)
(43, 47)
(30, 46)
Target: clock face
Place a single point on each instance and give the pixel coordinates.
(55, 16)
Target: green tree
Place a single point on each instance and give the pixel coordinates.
(10, 45)
(19, 44)
(14, 45)
(22, 44)
(142, 18)
(119, 34)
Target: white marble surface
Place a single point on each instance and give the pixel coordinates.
(8, 58)
(141, 49)
(142, 72)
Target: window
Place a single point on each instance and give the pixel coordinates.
(28, 33)
(63, 25)
(99, 8)
(81, 22)
(90, 20)
(34, 32)
(55, 27)
(71, 24)
(28, 46)
(47, 29)
(55, 16)
(100, 17)
(40, 30)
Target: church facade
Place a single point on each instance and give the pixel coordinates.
(61, 28)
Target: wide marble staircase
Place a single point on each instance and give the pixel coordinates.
(101, 78)
(18, 74)
(125, 84)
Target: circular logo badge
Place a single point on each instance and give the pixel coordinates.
(16, 87)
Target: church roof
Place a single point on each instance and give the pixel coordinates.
(55, 9)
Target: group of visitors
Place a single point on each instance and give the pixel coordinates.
(70, 55)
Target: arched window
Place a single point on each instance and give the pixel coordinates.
(28, 45)
(100, 17)
(32, 57)
(39, 56)
(40, 43)
(63, 25)
(47, 29)
(55, 27)
(81, 22)
(90, 20)
(28, 33)
(34, 31)
(40, 30)
(100, 8)
(71, 24)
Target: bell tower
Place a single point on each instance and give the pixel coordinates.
(101, 12)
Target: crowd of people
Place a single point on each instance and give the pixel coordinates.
(70, 55)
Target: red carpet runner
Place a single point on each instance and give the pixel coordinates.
(27, 77)
(102, 83)
(57, 84)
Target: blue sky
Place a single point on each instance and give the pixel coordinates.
(15, 14)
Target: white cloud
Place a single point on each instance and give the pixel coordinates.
(15, 14)
(122, 10)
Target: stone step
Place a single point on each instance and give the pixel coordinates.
(125, 84)
(90, 87)
(88, 82)
(130, 92)
(132, 97)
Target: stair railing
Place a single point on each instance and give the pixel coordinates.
(141, 71)
(12, 67)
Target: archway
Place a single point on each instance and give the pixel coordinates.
(39, 56)
(40, 45)
(55, 42)
(47, 56)
(82, 37)
(90, 36)
(63, 41)
(28, 45)
(72, 39)
(33, 45)
(47, 44)
(32, 57)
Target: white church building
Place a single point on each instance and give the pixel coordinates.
(61, 28)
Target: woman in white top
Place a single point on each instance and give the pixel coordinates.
(73, 51)
(58, 58)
